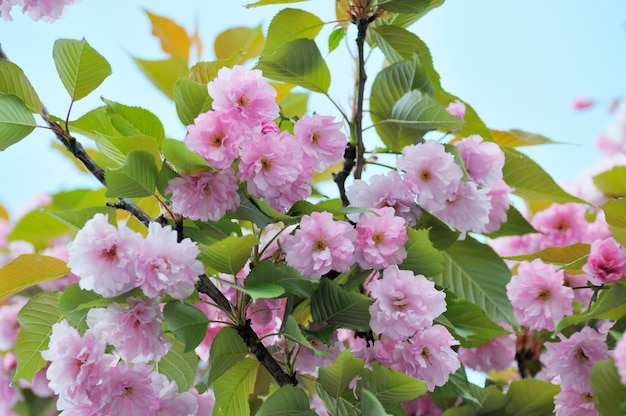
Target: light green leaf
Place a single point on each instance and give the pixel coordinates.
(164, 73)
(231, 393)
(557, 255)
(16, 121)
(294, 104)
(612, 182)
(335, 38)
(72, 303)
(515, 224)
(389, 385)
(136, 178)
(259, 291)
(396, 43)
(615, 215)
(516, 138)
(178, 365)
(299, 62)
(188, 324)
(341, 406)
(331, 304)
(226, 351)
(268, 2)
(531, 397)
(81, 68)
(473, 271)
(609, 393)
(36, 319)
(14, 82)
(288, 400)
(135, 121)
(422, 258)
(93, 124)
(410, 6)
(28, 270)
(209, 232)
(336, 378)
(229, 255)
(182, 158)
(421, 112)
(292, 331)
(288, 25)
(203, 72)
(247, 42)
(370, 404)
(610, 305)
(192, 99)
(291, 280)
(117, 148)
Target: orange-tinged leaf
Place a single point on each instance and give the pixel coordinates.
(282, 89)
(341, 10)
(28, 270)
(4, 214)
(174, 38)
(197, 42)
(248, 40)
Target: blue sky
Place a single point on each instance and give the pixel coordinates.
(519, 63)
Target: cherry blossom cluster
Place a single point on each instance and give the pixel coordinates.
(240, 139)
(46, 10)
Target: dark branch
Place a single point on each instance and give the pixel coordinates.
(349, 155)
(362, 25)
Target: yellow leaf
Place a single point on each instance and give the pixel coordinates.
(281, 89)
(28, 270)
(248, 40)
(197, 42)
(341, 10)
(174, 39)
(4, 213)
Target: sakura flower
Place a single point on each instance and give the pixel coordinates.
(572, 359)
(606, 262)
(46, 10)
(166, 266)
(309, 362)
(205, 195)
(58, 249)
(9, 395)
(456, 108)
(266, 316)
(170, 402)
(578, 282)
(9, 326)
(582, 102)
(500, 203)
(422, 406)
(467, 209)
(538, 295)
(561, 224)
(497, 354)
(431, 173)
(104, 257)
(483, 160)
(619, 356)
(320, 245)
(321, 140)
(214, 138)
(404, 303)
(244, 96)
(380, 239)
(569, 402)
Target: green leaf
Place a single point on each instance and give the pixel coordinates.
(291, 280)
(192, 99)
(93, 124)
(231, 393)
(609, 393)
(420, 112)
(516, 138)
(298, 62)
(203, 72)
(28, 270)
(335, 38)
(557, 255)
(610, 305)
(136, 178)
(531, 397)
(458, 386)
(135, 121)
(612, 182)
(530, 181)
(331, 304)
(292, 331)
(81, 68)
(178, 365)
(118, 148)
(615, 215)
(250, 211)
(336, 378)
(182, 158)
(209, 232)
(389, 385)
(422, 258)
(36, 319)
(226, 351)
(248, 42)
(473, 271)
(73, 300)
(268, 2)
(259, 291)
(289, 25)
(515, 224)
(188, 324)
(288, 400)
(410, 6)
(16, 121)
(370, 404)
(396, 43)
(229, 255)
(164, 73)
(14, 82)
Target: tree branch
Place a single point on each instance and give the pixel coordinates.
(362, 25)
(349, 155)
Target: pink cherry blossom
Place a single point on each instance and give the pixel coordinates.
(9, 395)
(497, 354)
(389, 190)
(467, 208)
(244, 96)
(321, 139)
(134, 330)
(15, 249)
(483, 160)
(205, 195)
(404, 304)
(456, 108)
(309, 362)
(166, 266)
(431, 173)
(170, 402)
(538, 295)
(606, 262)
(613, 139)
(569, 402)
(320, 245)
(582, 102)
(500, 203)
(619, 356)
(58, 249)
(46, 10)
(215, 138)
(422, 406)
(578, 282)
(561, 224)
(104, 257)
(573, 358)
(266, 317)
(380, 239)
(9, 326)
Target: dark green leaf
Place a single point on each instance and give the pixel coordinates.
(531, 397)
(136, 178)
(226, 351)
(188, 324)
(331, 304)
(288, 400)
(515, 224)
(291, 280)
(72, 301)
(422, 257)
(191, 98)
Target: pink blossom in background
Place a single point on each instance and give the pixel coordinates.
(431, 173)
(134, 330)
(9, 395)
(206, 401)
(321, 139)
(46, 10)
(585, 188)
(422, 406)
(244, 96)
(516, 245)
(320, 245)
(38, 385)
(569, 402)
(15, 249)
(561, 224)
(456, 108)
(467, 209)
(271, 239)
(619, 357)
(606, 262)
(613, 139)
(497, 354)
(58, 249)
(205, 195)
(215, 138)
(483, 160)
(166, 266)
(577, 282)
(170, 402)
(266, 317)
(9, 326)
(5, 230)
(538, 295)
(104, 257)
(309, 362)
(387, 190)
(572, 358)
(582, 102)
(404, 303)
(380, 239)
(500, 204)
